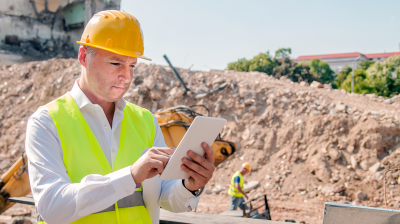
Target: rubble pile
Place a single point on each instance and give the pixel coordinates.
(308, 144)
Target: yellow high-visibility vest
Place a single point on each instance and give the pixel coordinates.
(233, 191)
(82, 155)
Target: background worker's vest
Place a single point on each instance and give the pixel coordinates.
(82, 155)
(233, 191)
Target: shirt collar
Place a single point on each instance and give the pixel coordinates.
(81, 99)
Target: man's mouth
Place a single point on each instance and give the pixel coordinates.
(120, 88)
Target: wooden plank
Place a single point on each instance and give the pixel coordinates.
(199, 218)
(350, 214)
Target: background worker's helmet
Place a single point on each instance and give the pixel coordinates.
(246, 166)
(115, 31)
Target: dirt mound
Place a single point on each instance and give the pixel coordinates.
(307, 144)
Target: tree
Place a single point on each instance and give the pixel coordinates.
(322, 70)
(383, 78)
(242, 65)
(260, 63)
(281, 65)
(360, 86)
(283, 53)
(341, 77)
(364, 65)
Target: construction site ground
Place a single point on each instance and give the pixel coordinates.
(307, 144)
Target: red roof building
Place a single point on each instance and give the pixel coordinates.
(338, 61)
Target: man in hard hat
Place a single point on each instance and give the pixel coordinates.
(95, 158)
(236, 190)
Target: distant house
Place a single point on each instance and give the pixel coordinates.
(338, 61)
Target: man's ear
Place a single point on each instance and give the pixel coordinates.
(82, 55)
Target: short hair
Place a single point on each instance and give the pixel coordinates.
(91, 50)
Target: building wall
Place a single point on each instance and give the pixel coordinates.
(336, 64)
(30, 19)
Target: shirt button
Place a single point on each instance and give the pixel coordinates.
(127, 192)
(105, 126)
(113, 150)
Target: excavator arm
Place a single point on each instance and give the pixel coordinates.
(174, 123)
(14, 183)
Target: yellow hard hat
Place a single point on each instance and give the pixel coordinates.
(115, 31)
(246, 166)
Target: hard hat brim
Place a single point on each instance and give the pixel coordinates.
(120, 51)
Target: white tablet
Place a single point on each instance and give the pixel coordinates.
(202, 129)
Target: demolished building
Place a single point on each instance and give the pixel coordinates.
(42, 29)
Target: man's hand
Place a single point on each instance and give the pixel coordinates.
(150, 164)
(200, 169)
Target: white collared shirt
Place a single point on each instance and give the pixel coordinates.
(60, 201)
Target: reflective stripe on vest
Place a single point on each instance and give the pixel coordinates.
(233, 191)
(82, 155)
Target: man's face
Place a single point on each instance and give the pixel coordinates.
(108, 75)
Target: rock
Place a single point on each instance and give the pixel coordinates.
(316, 84)
(156, 94)
(332, 112)
(201, 95)
(302, 83)
(334, 154)
(340, 107)
(339, 189)
(327, 190)
(14, 152)
(312, 194)
(250, 185)
(350, 149)
(177, 92)
(219, 107)
(360, 195)
(246, 134)
(364, 165)
(388, 101)
(374, 168)
(353, 162)
(217, 189)
(4, 164)
(218, 80)
(249, 102)
(335, 179)
(208, 191)
(355, 203)
(21, 220)
(254, 109)
(328, 86)
(150, 83)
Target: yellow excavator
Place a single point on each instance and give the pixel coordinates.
(174, 123)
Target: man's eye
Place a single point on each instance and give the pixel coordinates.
(115, 63)
(132, 66)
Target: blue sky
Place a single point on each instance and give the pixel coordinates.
(209, 34)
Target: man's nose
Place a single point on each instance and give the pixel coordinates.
(126, 74)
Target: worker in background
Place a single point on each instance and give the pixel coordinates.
(236, 190)
(95, 158)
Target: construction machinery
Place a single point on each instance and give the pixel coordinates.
(174, 123)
